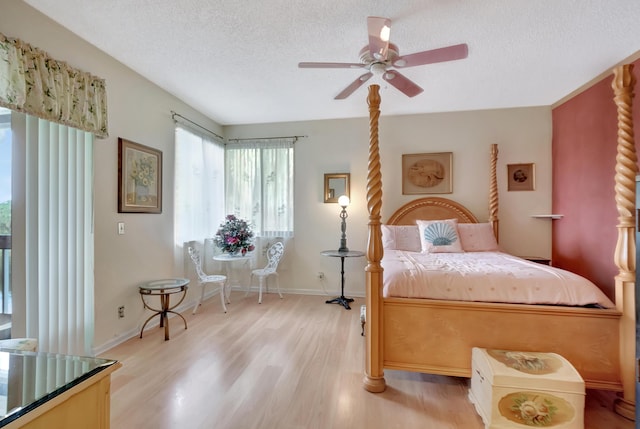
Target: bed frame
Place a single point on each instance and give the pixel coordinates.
(600, 343)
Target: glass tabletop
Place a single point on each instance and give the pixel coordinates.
(227, 257)
(164, 284)
(342, 254)
(29, 379)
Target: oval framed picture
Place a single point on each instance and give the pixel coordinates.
(427, 173)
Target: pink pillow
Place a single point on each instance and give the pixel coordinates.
(477, 237)
(439, 236)
(401, 237)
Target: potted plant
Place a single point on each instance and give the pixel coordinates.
(234, 236)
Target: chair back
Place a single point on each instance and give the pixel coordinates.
(195, 257)
(274, 254)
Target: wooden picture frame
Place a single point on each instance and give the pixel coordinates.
(521, 177)
(427, 173)
(139, 178)
(335, 185)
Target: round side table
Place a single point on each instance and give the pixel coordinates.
(164, 289)
(342, 300)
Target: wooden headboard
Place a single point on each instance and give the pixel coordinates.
(431, 208)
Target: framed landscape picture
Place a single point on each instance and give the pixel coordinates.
(139, 178)
(521, 177)
(427, 173)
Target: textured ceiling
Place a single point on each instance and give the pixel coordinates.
(236, 60)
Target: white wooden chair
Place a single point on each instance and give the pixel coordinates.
(274, 254)
(204, 279)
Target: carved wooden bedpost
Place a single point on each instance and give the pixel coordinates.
(493, 192)
(625, 253)
(373, 373)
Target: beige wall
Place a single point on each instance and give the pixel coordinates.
(341, 146)
(140, 111)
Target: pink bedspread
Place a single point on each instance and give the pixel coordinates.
(484, 276)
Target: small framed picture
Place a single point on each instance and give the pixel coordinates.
(427, 173)
(521, 177)
(139, 178)
(335, 185)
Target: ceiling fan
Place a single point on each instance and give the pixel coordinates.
(379, 56)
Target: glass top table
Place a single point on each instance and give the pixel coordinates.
(342, 254)
(232, 276)
(30, 379)
(225, 257)
(164, 289)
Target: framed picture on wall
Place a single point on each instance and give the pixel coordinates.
(335, 185)
(139, 178)
(521, 177)
(427, 173)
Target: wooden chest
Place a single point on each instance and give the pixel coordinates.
(525, 389)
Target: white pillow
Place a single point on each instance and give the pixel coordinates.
(401, 237)
(477, 237)
(439, 236)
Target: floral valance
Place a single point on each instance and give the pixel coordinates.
(34, 83)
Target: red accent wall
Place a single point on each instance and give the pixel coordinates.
(584, 148)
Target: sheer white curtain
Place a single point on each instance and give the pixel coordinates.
(259, 188)
(59, 237)
(199, 186)
(260, 185)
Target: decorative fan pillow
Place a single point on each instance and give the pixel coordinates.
(401, 237)
(439, 236)
(477, 237)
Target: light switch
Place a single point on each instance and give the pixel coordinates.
(121, 228)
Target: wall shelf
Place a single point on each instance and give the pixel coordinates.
(548, 216)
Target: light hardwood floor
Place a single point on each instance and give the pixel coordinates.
(294, 363)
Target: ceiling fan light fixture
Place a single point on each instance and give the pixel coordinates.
(378, 69)
(385, 31)
(379, 56)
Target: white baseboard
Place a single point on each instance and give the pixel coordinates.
(97, 351)
(103, 348)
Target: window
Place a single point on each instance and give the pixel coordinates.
(199, 186)
(259, 185)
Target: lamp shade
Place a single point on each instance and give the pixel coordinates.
(343, 201)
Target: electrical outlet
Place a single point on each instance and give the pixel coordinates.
(121, 311)
(320, 275)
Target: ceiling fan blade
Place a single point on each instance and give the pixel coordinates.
(353, 86)
(330, 65)
(379, 29)
(450, 53)
(403, 84)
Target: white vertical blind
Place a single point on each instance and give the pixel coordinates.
(59, 236)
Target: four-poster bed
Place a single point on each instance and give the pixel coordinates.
(436, 336)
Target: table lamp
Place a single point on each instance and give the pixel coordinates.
(343, 202)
